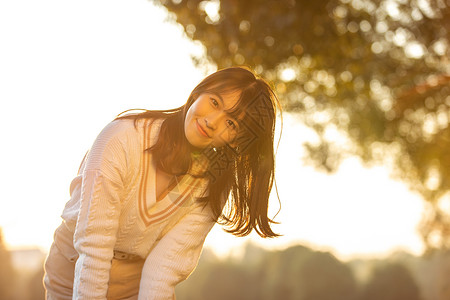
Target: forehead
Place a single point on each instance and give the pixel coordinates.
(229, 99)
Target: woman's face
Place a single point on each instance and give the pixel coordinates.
(207, 122)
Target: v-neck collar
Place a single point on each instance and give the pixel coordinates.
(183, 194)
(174, 186)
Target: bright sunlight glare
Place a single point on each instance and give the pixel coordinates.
(68, 68)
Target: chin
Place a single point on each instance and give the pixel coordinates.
(194, 143)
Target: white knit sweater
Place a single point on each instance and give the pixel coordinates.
(113, 207)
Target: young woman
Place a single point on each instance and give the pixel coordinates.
(153, 185)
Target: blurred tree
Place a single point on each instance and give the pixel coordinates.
(375, 74)
(434, 276)
(301, 273)
(220, 280)
(391, 282)
(35, 287)
(7, 274)
(294, 273)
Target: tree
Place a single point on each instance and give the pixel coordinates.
(391, 282)
(301, 273)
(219, 279)
(295, 273)
(374, 73)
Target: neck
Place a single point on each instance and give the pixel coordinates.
(199, 164)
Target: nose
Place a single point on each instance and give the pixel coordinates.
(211, 121)
(210, 125)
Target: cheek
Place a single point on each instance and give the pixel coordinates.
(232, 139)
(188, 120)
(197, 109)
(191, 113)
(227, 137)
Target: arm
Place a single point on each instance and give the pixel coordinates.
(97, 223)
(176, 255)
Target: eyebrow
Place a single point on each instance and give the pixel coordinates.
(220, 98)
(226, 111)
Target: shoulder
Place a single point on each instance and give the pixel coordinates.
(149, 129)
(114, 145)
(130, 133)
(119, 128)
(130, 130)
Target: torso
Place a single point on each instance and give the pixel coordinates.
(164, 182)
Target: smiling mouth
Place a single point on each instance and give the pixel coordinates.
(201, 130)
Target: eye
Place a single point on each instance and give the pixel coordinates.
(214, 102)
(231, 124)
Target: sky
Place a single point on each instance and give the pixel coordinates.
(67, 68)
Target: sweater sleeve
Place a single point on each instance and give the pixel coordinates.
(98, 218)
(176, 255)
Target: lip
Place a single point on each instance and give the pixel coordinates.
(201, 130)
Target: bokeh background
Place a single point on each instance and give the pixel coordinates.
(363, 161)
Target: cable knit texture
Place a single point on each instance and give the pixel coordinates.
(113, 207)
